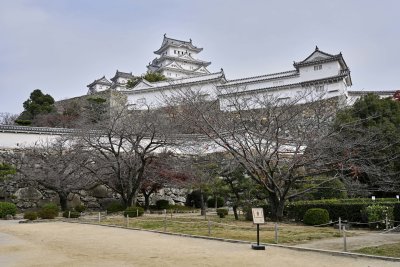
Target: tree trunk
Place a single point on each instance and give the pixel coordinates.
(215, 201)
(132, 199)
(202, 204)
(235, 212)
(146, 201)
(63, 200)
(277, 207)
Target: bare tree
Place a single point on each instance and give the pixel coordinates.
(276, 140)
(7, 118)
(122, 147)
(56, 165)
(164, 171)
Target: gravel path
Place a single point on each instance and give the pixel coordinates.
(354, 242)
(67, 244)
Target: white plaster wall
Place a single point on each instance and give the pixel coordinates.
(21, 140)
(328, 69)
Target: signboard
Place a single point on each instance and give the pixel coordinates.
(258, 215)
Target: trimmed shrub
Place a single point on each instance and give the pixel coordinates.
(80, 208)
(115, 206)
(376, 215)
(71, 213)
(133, 211)
(222, 212)
(7, 208)
(316, 216)
(162, 204)
(30, 215)
(347, 209)
(48, 211)
(211, 202)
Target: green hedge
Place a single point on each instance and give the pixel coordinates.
(316, 216)
(48, 211)
(162, 204)
(30, 215)
(211, 202)
(222, 212)
(347, 209)
(133, 212)
(7, 208)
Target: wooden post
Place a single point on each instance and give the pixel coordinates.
(69, 214)
(99, 217)
(276, 233)
(387, 222)
(165, 223)
(137, 212)
(340, 225)
(127, 220)
(344, 239)
(209, 227)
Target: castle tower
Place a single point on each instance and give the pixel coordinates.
(178, 59)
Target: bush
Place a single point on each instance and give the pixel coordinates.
(48, 211)
(133, 211)
(30, 215)
(316, 216)
(71, 214)
(347, 209)
(376, 215)
(162, 204)
(211, 202)
(7, 208)
(115, 206)
(222, 212)
(80, 208)
(194, 199)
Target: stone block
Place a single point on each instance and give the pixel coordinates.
(28, 193)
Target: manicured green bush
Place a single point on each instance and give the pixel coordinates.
(133, 211)
(48, 211)
(376, 215)
(115, 206)
(7, 208)
(162, 204)
(222, 212)
(347, 209)
(316, 216)
(211, 202)
(30, 215)
(71, 214)
(80, 208)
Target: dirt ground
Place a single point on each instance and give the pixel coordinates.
(66, 244)
(369, 239)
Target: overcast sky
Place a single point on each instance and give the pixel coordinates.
(60, 46)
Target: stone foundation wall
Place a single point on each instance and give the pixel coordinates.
(30, 195)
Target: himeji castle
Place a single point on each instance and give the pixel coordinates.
(179, 61)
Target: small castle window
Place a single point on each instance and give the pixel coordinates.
(318, 67)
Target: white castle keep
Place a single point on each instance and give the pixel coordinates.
(177, 60)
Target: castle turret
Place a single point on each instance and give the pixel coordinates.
(178, 59)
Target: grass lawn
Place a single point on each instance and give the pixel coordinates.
(229, 228)
(390, 250)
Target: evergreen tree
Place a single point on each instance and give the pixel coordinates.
(37, 104)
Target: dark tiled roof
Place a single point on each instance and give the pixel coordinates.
(175, 42)
(273, 88)
(372, 92)
(260, 78)
(127, 75)
(99, 81)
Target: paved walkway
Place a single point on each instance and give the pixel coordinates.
(66, 244)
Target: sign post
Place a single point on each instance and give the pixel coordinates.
(258, 218)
